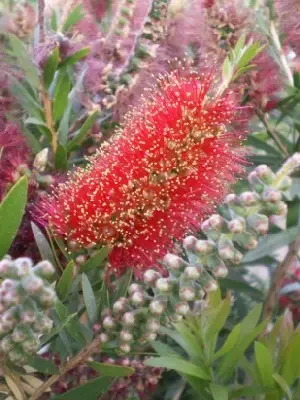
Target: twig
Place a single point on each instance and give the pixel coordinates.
(271, 132)
(49, 118)
(79, 358)
(41, 20)
(278, 279)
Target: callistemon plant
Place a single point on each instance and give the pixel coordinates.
(168, 167)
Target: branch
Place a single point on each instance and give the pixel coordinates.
(278, 279)
(271, 132)
(79, 358)
(41, 20)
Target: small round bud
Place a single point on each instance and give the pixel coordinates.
(192, 273)
(205, 226)
(108, 323)
(187, 294)
(151, 276)
(182, 308)
(189, 242)
(237, 225)
(126, 336)
(134, 287)
(271, 195)
(125, 348)
(30, 345)
(47, 297)
(221, 271)
(24, 266)
(204, 247)
(232, 199)
(120, 305)
(32, 284)
(259, 223)
(138, 298)
(249, 198)
(15, 356)
(216, 221)
(81, 259)
(44, 269)
(5, 267)
(173, 262)
(18, 335)
(211, 286)
(237, 258)
(104, 337)
(153, 325)
(6, 344)
(149, 337)
(163, 285)
(44, 325)
(128, 319)
(265, 174)
(282, 209)
(157, 307)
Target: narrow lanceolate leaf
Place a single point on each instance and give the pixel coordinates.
(290, 368)
(73, 18)
(265, 364)
(42, 365)
(42, 244)
(75, 57)
(61, 159)
(60, 95)
(91, 390)
(50, 67)
(96, 261)
(83, 131)
(179, 365)
(218, 392)
(65, 282)
(11, 213)
(111, 370)
(89, 298)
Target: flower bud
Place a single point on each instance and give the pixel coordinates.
(15, 355)
(47, 297)
(104, 337)
(28, 317)
(18, 335)
(271, 195)
(226, 248)
(232, 200)
(128, 319)
(237, 257)
(153, 325)
(237, 225)
(282, 209)
(205, 227)
(256, 182)
(189, 243)
(32, 284)
(157, 307)
(30, 346)
(24, 266)
(134, 287)
(109, 323)
(192, 272)
(126, 336)
(6, 344)
(137, 298)
(151, 276)
(187, 294)
(7, 269)
(221, 271)
(163, 285)
(204, 247)
(173, 262)
(216, 221)
(265, 174)
(182, 308)
(285, 183)
(125, 348)
(211, 286)
(41, 160)
(44, 269)
(149, 336)
(249, 198)
(120, 305)
(259, 223)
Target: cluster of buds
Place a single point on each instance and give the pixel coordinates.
(159, 300)
(25, 298)
(139, 385)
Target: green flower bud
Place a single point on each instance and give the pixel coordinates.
(125, 348)
(237, 225)
(187, 293)
(173, 262)
(204, 247)
(126, 336)
(259, 223)
(44, 269)
(128, 319)
(249, 198)
(182, 308)
(271, 195)
(153, 325)
(109, 323)
(157, 307)
(192, 273)
(151, 276)
(163, 285)
(265, 174)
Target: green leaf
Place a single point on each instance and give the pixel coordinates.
(90, 390)
(189, 349)
(73, 18)
(283, 385)
(42, 244)
(227, 70)
(58, 329)
(51, 67)
(270, 244)
(191, 341)
(42, 365)
(246, 392)
(12, 210)
(230, 342)
(28, 102)
(111, 370)
(24, 61)
(61, 158)
(163, 349)
(60, 95)
(96, 260)
(179, 365)
(83, 131)
(265, 364)
(290, 368)
(219, 318)
(250, 52)
(41, 125)
(89, 298)
(75, 57)
(65, 282)
(121, 285)
(218, 392)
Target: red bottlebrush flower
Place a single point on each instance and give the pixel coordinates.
(288, 13)
(172, 163)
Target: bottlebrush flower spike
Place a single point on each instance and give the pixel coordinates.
(171, 164)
